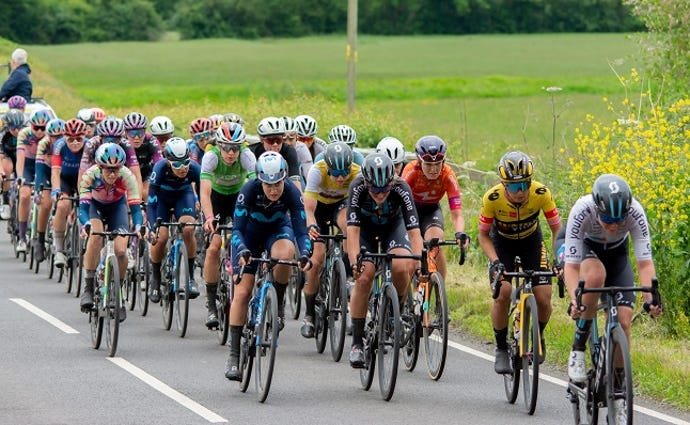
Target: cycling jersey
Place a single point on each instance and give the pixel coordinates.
(305, 160)
(8, 147)
(89, 157)
(583, 231)
(399, 205)
(27, 142)
(92, 187)
(148, 154)
(357, 158)
(227, 178)
(287, 152)
(44, 152)
(515, 221)
(67, 162)
(317, 147)
(169, 190)
(323, 188)
(429, 192)
(195, 151)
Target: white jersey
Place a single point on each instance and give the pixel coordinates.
(583, 225)
(304, 159)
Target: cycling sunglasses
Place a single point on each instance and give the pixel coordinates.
(201, 136)
(180, 164)
(228, 147)
(517, 187)
(427, 157)
(610, 220)
(111, 170)
(111, 139)
(16, 127)
(339, 173)
(273, 140)
(39, 127)
(136, 132)
(77, 139)
(377, 190)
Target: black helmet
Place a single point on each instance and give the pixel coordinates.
(378, 170)
(612, 196)
(515, 166)
(338, 156)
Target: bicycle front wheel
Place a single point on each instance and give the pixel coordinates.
(71, 244)
(182, 293)
(619, 380)
(267, 343)
(112, 306)
(435, 326)
(294, 291)
(337, 309)
(223, 301)
(247, 353)
(143, 275)
(96, 320)
(389, 341)
(530, 354)
(410, 343)
(511, 381)
(321, 316)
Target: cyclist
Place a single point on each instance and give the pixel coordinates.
(395, 151)
(145, 146)
(172, 188)
(105, 191)
(16, 102)
(27, 145)
(13, 122)
(269, 215)
(380, 207)
(233, 117)
(200, 130)
(303, 155)
(162, 129)
(87, 116)
(431, 179)
(509, 227)
(65, 169)
(325, 202)
(44, 152)
(224, 170)
(348, 135)
(306, 133)
(598, 233)
(271, 131)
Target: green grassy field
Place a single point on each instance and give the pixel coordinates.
(482, 94)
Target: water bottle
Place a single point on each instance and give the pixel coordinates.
(560, 254)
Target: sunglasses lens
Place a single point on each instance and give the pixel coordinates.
(226, 147)
(39, 127)
(433, 158)
(138, 132)
(610, 220)
(517, 187)
(339, 173)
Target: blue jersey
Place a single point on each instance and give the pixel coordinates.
(195, 151)
(66, 160)
(166, 185)
(254, 209)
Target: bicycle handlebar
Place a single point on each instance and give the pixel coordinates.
(436, 242)
(611, 290)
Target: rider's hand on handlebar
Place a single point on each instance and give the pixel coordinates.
(653, 310)
(305, 263)
(210, 225)
(245, 257)
(314, 231)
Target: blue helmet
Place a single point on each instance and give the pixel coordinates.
(110, 155)
(271, 167)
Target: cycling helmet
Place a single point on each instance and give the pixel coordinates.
(271, 167)
(270, 126)
(135, 120)
(378, 169)
(233, 117)
(56, 127)
(40, 117)
(515, 166)
(176, 149)
(343, 133)
(338, 156)
(14, 118)
(230, 133)
(200, 125)
(98, 114)
(87, 116)
(393, 148)
(306, 126)
(110, 155)
(612, 196)
(216, 121)
(111, 126)
(75, 128)
(16, 102)
(430, 149)
(161, 125)
(290, 124)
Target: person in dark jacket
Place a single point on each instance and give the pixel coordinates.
(18, 82)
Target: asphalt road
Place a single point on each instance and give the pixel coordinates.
(49, 374)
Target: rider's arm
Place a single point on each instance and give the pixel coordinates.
(299, 225)
(241, 215)
(21, 152)
(353, 219)
(311, 194)
(154, 186)
(208, 166)
(85, 186)
(248, 161)
(486, 220)
(352, 243)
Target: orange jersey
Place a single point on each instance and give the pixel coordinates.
(430, 192)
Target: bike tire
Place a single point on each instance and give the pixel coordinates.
(113, 305)
(223, 301)
(80, 270)
(411, 340)
(321, 316)
(31, 255)
(370, 342)
(37, 264)
(182, 293)
(530, 354)
(96, 321)
(267, 332)
(337, 309)
(511, 381)
(51, 260)
(247, 351)
(143, 276)
(294, 292)
(389, 341)
(435, 334)
(624, 389)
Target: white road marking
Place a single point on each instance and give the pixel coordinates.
(168, 391)
(564, 384)
(45, 316)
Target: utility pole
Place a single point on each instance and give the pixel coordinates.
(351, 54)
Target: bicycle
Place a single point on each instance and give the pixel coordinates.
(604, 383)
(382, 331)
(175, 277)
(425, 313)
(260, 334)
(525, 350)
(107, 294)
(72, 245)
(12, 226)
(137, 257)
(226, 288)
(50, 244)
(331, 299)
(33, 224)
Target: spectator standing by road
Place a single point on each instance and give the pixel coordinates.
(18, 82)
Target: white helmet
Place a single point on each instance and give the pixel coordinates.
(306, 126)
(176, 149)
(86, 115)
(271, 126)
(161, 125)
(271, 167)
(393, 148)
(343, 133)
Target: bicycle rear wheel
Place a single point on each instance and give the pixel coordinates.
(130, 282)
(79, 270)
(389, 342)
(70, 248)
(50, 248)
(511, 381)
(182, 293)
(294, 291)
(530, 354)
(223, 301)
(267, 343)
(410, 343)
(321, 316)
(96, 320)
(112, 307)
(337, 309)
(619, 381)
(247, 352)
(143, 275)
(435, 331)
